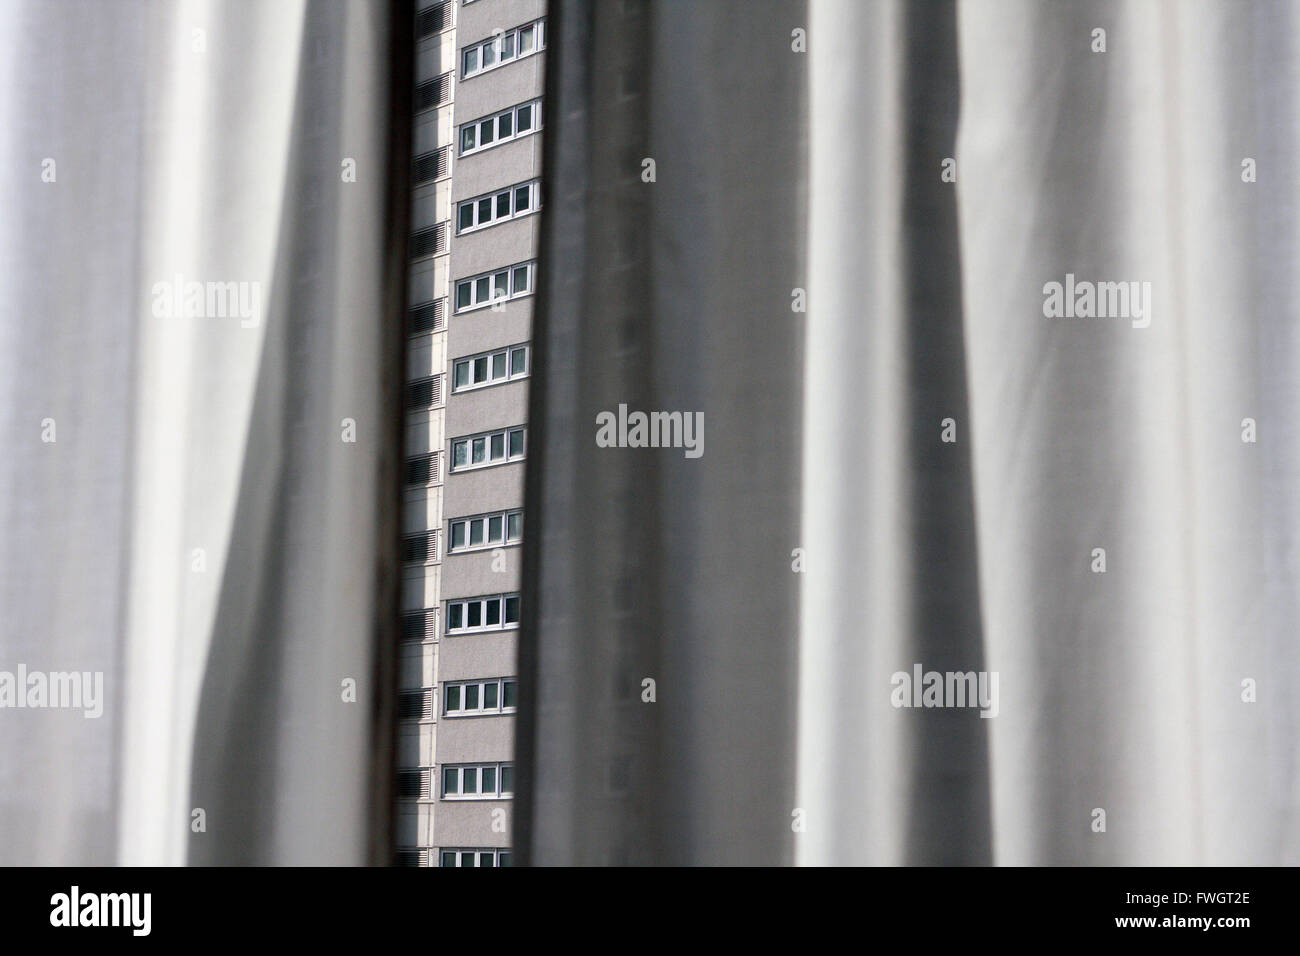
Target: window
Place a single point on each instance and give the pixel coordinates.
(474, 856)
(489, 368)
(497, 286)
(416, 704)
(500, 128)
(487, 531)
(479, 698)
(491, 448)
(493, 613)
(503, 48)
(499, 206)
(478, 781)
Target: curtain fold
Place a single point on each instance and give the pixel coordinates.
(940, 470)
(983, 317)
(1124, 690)
(204, 520)
(664, 288)
(887, 506)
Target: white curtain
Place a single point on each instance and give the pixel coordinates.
(923, 469)
(1120, 690)
(1146, 712)
(184, 509)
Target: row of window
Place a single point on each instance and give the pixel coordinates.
(478, 781)
(502, 48)
(489, 448)
(494, 612)
(476, 698)
(455, 856)
(474, 856)
(499, 206)
(469, 781)
(474, 533)
(487, 531)
(495, 287)
(472, 451)
(479, 698)
(511, 124)
(490, 612)
(471, 372)
(489, 368)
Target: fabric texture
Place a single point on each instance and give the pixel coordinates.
(186, 510)
(951, 452)
(833, 231)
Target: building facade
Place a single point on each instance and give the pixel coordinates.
(473, 272)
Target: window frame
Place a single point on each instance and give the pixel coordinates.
(497, 41)
(493, 297)
(497, 853)
(510, 376)
(486, 437)
(498, 793)
(501, 708)
(534, 187)
(535, 125)
(482, 600)
(488, 544)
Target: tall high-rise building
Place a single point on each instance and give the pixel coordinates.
(473, 272)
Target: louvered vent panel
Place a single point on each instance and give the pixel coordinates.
(424, 469)
(431, 165)
(429, 242)
(434, 92)
(420, 547)
(428, 316)
(424, 394)
(420, 625)
(413, 784)
(432, 20)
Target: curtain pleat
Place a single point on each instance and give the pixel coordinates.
(888, 516)
(830, 231)
(670, 294)
(930, 470)
(208, 526)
